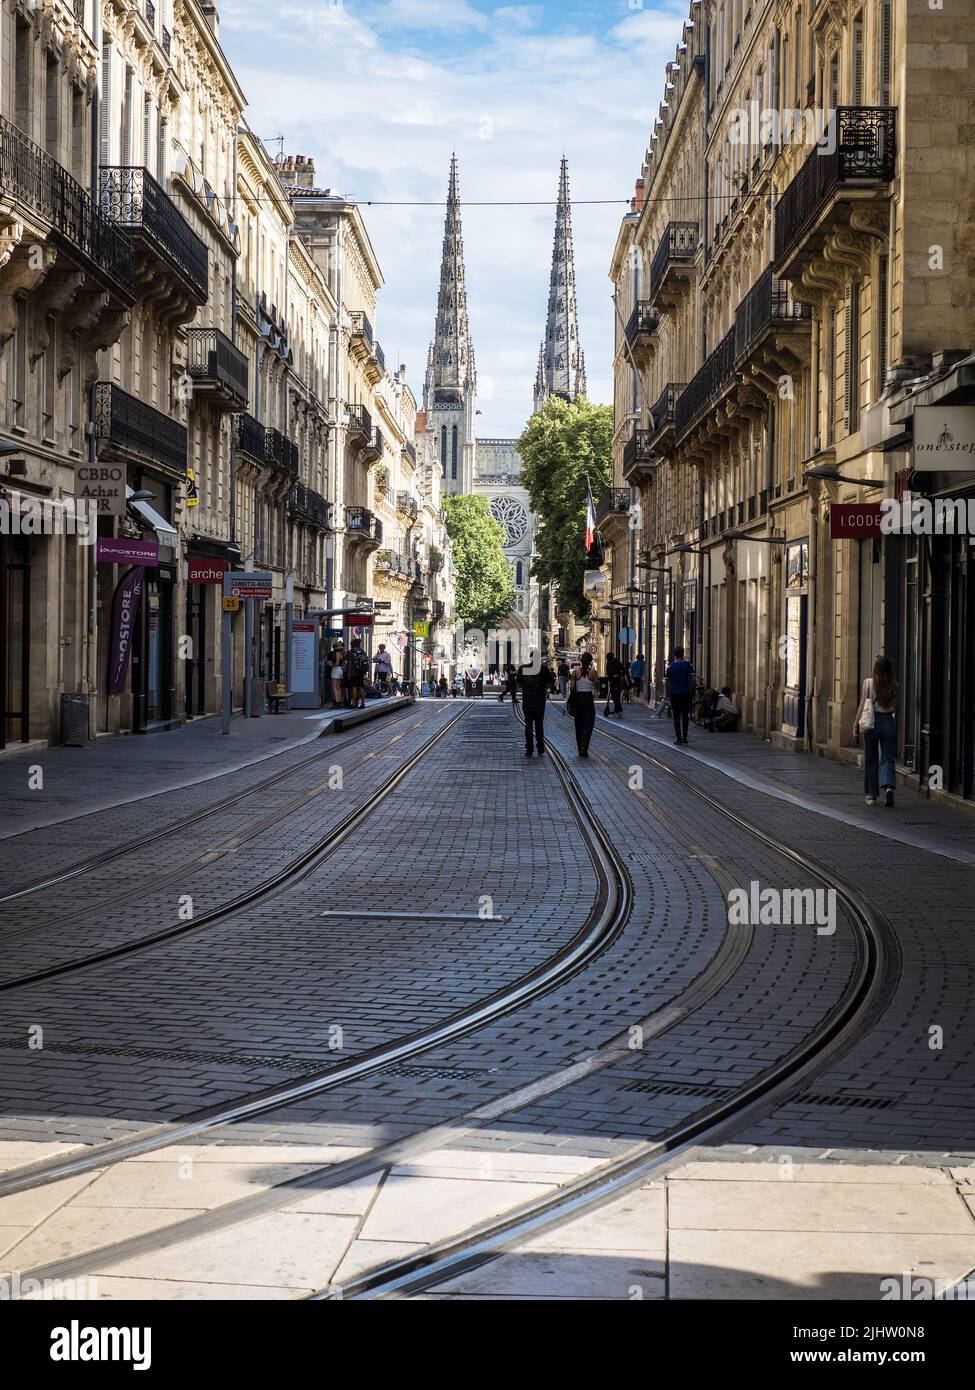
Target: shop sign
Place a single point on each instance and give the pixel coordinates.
(944, 438)
(102, 486)
(421, 629)
(240, 584)
(854, 521)
(125, 612)
(204, 569)
(110, 551)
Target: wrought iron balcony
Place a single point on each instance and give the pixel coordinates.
(281, 452)
(613, 502)
(310, 506)
(379, 355)
(677, 248)
(360, 423)
(393, 562)
(252, 440)
(122, 422)
(858, 156)
(362, 524)
(134, 201)
(361, 328)
(664, 413)
(218, 368)
(706, 385)
(638, 455)
(410, 451)
(641, 325)
(30, 176)
(766, 306)
(372, 449)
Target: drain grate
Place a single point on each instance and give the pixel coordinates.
(282, 1061)
(679, 1088)
(851, 1102)
(431, 1073)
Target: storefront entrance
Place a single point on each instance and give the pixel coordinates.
(14, 639)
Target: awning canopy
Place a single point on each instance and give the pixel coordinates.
(165, 531)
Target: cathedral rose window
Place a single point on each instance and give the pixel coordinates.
(512, 516)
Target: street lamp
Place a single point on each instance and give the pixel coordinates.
(761, 540)
(826, 473)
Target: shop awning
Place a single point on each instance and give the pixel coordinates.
(165, 531)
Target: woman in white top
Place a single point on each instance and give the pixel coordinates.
(582, 700)
(880, 740)
(336, 658)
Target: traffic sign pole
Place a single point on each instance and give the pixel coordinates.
(228, 657)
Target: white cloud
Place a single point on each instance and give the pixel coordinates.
(381, 113)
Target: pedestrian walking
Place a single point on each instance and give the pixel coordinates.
(563, 678)
(535, 680)
(581, 703)
(355, 670)
(614, 677)
(679, 680)
(510, 684)
(336, 661)
(637, 669)
(876, 719)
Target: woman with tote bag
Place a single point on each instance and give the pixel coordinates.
(875, 719)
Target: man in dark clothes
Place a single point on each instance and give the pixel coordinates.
(535, 680)
(680, 687)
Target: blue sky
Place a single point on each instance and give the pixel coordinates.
(379, 92)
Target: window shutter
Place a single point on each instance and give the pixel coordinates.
(882, 325)
(852, 358)
(105, 113)
(886, 36)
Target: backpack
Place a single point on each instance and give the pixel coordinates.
(358, 665)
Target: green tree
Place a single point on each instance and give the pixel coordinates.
(563, 444)
(485, 591)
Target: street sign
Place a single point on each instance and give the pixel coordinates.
(627, 636)
(230, 605)
(101, 485)
(383, 603)
(360, 619)
(242, 584)
(421, 629)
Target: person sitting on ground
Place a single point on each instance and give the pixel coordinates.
(725, 713)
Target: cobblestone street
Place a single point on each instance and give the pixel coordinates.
(332, 1003)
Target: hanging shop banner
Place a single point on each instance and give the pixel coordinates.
(125, 552)
(204, 569)
(421, 629)
(944, 438)
(854, 521)
(125, 613)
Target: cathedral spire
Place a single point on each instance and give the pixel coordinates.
(561, 365)
(450, 372)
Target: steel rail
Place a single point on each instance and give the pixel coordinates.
(863, 1000)
(97, 861)
(604, 922)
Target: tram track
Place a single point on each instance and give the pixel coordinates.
(178, 874)
(446, 1259)
(861, 1003)
(290, 874)
(137, 844)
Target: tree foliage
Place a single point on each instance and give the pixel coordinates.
(563, 444)
(485, 590)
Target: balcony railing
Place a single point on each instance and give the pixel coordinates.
(394, 562)
(133, 200)
(410, 451)
(361, 327)
(637, 451)
(613, 501)
(310, 505)
(766, 304)
(130, 424)
(678, 243)
(643, 321)
(252, 440)
(281, 452)
(360, 421)
(438, 610)
(363, 522)
(29, 175)
(212, 359)
(708, 383)
(663, 414)
(379, 355)
(859, 152)
(406, 503)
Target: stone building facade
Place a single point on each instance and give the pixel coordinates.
(791, 279)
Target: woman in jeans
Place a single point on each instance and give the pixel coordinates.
(582, 694)
(880, 742)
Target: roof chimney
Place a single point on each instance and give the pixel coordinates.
(639, 196)
(209, 9)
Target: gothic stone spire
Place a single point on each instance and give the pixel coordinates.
(451, 373)
(562, 367)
